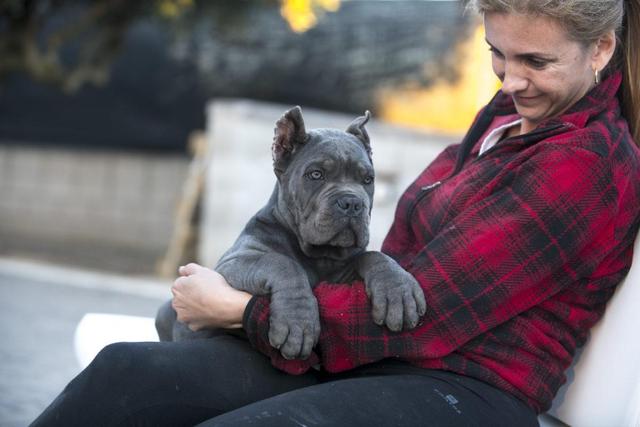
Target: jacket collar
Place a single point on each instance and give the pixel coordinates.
(599, 98)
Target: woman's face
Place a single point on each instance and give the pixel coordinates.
(540, 67)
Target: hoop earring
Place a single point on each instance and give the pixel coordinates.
(597, 75)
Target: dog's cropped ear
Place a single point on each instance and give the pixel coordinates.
(357, 129)
(289, 134)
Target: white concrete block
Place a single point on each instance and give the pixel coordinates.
(240, 176)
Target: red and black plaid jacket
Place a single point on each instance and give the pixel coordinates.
(517, 251)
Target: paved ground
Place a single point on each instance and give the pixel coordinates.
(39, 310)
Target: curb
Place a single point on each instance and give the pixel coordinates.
(147, 287)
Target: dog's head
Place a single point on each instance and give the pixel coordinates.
(326, 180)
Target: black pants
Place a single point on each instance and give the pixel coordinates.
(224, 382)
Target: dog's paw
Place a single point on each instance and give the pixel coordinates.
(397, 299)
(294, 324)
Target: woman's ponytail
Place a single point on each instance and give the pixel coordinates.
(631, 67)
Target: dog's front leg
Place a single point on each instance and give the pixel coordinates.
(294, 320)
(397, 298)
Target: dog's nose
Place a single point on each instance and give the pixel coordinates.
(350, 205)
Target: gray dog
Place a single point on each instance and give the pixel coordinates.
(315, 227)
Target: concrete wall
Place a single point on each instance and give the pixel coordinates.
(87, 203)
(115, 210)
(240, 179)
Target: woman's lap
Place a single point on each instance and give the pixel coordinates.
(225, 381)
(437, 400)
(168, 383)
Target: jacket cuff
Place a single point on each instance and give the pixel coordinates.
(247, 312)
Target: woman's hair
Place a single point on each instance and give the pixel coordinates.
(585, 22)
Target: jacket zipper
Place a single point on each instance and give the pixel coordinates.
(425, 190)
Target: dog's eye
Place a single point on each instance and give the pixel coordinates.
(368, 180)
(315, 175)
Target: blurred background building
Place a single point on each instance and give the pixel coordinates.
(99, 100)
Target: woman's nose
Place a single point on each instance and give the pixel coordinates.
(513, 81)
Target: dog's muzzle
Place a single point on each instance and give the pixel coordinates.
(350, 205)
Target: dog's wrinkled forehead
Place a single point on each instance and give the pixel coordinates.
(337, 144)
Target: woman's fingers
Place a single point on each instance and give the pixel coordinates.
(189, 269)
(178, 284)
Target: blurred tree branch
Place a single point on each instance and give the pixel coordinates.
(29, 43)
(236, 48)
(70, 53)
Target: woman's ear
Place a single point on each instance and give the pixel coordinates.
(605, 46)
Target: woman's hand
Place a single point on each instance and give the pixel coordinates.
(203, 299)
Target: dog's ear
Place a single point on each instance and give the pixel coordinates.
(289, 134)
(357, 129)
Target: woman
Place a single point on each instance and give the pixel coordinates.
(518, 236)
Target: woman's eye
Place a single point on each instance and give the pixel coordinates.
(496, 52)
(368, 180)
(537, 63)
(315, 175)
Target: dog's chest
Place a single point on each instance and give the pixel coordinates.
(329, 270)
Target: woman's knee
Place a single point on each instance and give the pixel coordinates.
(128, 360)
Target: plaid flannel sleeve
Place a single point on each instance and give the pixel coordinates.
(542, 229)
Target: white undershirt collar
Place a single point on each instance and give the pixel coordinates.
(495, 135)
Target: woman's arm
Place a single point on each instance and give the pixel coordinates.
(546, 227)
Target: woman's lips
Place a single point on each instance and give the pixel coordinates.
(525, 99)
